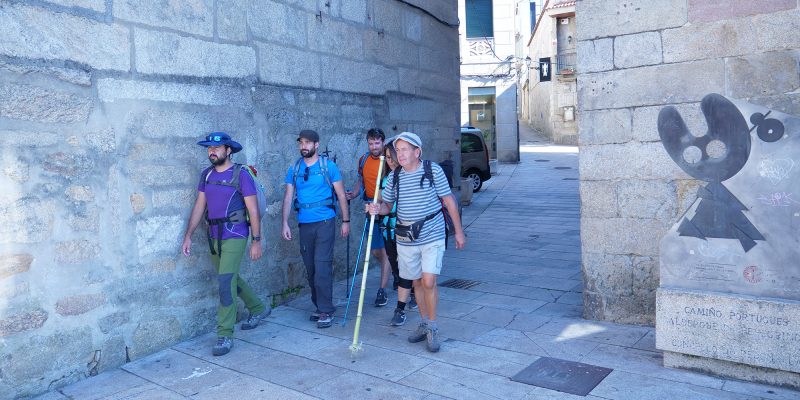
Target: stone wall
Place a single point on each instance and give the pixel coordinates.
(635, 57)
(101, 103)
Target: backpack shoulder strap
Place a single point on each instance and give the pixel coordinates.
(427, 173)
(361, 162)
(206, 173)
(396, 173)
(323, 166)
(296, 170)
(237, 171)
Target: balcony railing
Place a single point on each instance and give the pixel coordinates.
(565, 63)
(480, 47)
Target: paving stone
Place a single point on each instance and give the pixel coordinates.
(454, 309)
(571, 298)
(461, 330)
(482, 358)
(371, 360)
(648, 363)
(354, 385)
(492, 316)
(536, 344)
(464, 383)
(624, 386)
(763, 391)
(107, 385)
(247, 387)
(648, 342)
(182, 373)
(508, 302)
(298, 373)
(602, 332)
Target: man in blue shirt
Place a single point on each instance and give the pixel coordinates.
(318, 185)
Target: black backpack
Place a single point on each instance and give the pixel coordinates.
(427, 174)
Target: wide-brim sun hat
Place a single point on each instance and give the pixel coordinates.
(221, 139)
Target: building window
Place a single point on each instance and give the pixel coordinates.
(533, 15)
(479, 18)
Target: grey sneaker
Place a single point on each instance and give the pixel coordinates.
(381, 299)
(254, 320)
(420, 334)
(399, 317)
(433, 340)
(412, 302)
(325, 320)
(223, 346)
(314, 316)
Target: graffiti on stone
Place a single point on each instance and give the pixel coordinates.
(742, 233)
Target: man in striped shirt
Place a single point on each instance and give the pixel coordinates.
(420, 257)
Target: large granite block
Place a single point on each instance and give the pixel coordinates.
(745, 75)
(596, 55)
(603, 18)
(778, 30)
(288, 66)
(276, 22)
(660, 84)
(371, 78)
(637, 50)
(193, 16)
(690, 42)
(739, 328)
(171, 54)
(704, 11)
(37, 33)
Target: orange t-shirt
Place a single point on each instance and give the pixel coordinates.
(370, 172)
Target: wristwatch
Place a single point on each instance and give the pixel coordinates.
(256, 238)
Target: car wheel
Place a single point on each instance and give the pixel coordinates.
(475, 176)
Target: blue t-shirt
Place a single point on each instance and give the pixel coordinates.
(221, 200)
(313, 189)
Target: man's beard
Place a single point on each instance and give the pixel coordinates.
(308, 153)
(218, 160)
(376, 153)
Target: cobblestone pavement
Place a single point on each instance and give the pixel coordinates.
(523, 251)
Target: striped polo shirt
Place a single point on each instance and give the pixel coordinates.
(416, 203)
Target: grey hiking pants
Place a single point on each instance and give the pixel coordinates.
(316, 247)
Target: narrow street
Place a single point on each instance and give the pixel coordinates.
(523, 257)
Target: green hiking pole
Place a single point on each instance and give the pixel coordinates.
(356, 347)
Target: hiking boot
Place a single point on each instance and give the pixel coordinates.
(254, 320)
(314, 316)
(381, 299)
(420, 334)
(433, 340)
(223, 346)
(399, 317)
(412, 302)
(325, 320)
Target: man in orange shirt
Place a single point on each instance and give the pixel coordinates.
(367, 174)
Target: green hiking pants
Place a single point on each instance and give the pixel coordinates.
(231, 282)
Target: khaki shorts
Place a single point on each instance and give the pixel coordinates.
(414, 260)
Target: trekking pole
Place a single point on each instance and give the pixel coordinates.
(356, 347)
(347, 264)
(355, 271)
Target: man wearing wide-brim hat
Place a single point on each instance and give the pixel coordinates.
(231, 210)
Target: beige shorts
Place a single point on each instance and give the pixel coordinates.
(414, 260)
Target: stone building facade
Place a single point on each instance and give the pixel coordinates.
(101, 104)
(489, 73)
(634, 58)
(549, 89)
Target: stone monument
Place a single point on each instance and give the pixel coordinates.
(728, 301)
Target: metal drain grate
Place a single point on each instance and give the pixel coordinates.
(569, 179)
(542, 160)
(562, 167)
(562, 375)
(459, 283)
